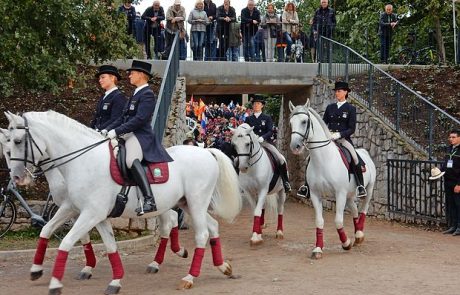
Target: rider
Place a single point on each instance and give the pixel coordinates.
(134, 126)
(263, 126)
(340, 117)
(110, 106)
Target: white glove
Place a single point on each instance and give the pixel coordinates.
(261, 139)
(335, 135)
(112, 134)
(104, 132)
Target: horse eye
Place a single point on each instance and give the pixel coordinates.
(247, 144)
(304, 122)
(17, 141)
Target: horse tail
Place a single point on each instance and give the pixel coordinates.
(226, 200)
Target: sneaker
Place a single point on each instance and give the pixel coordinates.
(303, 192)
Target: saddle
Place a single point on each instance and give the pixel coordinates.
(275, 168)
(348, 160)
(156, 172)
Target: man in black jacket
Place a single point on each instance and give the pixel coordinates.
(250, 19)
(324, 23)
(225, 15)
(210, 42)
(153, 16)
(387, 23)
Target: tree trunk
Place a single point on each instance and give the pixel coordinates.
(440, 41)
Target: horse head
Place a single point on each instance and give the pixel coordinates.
(300, 122)
(245, 144)
(25, 151)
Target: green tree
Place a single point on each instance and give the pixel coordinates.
(43, 41)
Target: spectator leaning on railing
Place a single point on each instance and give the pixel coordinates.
(198, 19)
(175, 17)
(387, 24)
(210, 38)
(153, 16)
(225, 15)
(324, 25)
(250, 20)
(270, 23)
(290, 20)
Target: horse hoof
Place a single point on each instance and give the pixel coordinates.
(185, 254)
(185, 285)
(112, 290)
(255, 243)
(83, 276)
(347, 245)
(226, 268)
(264, 226)
(36, 275)
(152, 269)
(316, 255)
(279, 235)
(359, 241)
(55, 291)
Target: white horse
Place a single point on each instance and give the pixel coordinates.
(211, 185)
(255, 175)
(327, 175)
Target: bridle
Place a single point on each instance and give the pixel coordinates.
(30, 141)
(250, 154)
(307, 132)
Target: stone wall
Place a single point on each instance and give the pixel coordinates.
(371, 134)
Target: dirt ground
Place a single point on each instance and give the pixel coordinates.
(394, 259)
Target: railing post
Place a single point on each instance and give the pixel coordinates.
(347, 55)
(318, 56)
(371, 85)
(398, 107)
(430, 136)
(329, 57)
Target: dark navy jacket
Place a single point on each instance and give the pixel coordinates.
(452, 174)
(248, 28)
(108, 110)
(341, 120)
(263, 126)
(137, 118)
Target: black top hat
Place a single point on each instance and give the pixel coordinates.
(108, 69)
(341, 85)
(141, 66)
(258, 98)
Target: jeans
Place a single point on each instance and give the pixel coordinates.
(210, 42)
(248, 48)
(260, 48)
(233, 53)
(197, 47)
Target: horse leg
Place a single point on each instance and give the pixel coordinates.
(317, 252)
(359, 235)
(262, 219)
(87, 272)
(256, 238)
(105, 230)
(279, 229)
(61, 216)
(340, 207)
(354, 212)
(216, 249)
(198, 214)
(84, 223)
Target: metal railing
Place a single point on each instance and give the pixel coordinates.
(168, 85)
(413, 116)
(412, 197)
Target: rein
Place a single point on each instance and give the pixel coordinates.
(250, 155)
(307, 132)
(30, 141)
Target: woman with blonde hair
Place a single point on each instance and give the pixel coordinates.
(198, 19)
(270, 23)
(290, 20)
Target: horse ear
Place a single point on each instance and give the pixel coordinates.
(4, 132)
(307, 104)
(291, 106)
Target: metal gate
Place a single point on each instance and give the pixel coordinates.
(412, 197)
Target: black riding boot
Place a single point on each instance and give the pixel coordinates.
(457, 231)
(450, 230)
(138, 173)
(285, 178)
(360, 180)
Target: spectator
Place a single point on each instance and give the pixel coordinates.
(234, 42)
(153, 16)
(250, 19)
(290, 20)
(210, 38)
(183, 46)
(110, 105)
(313, 41)
(198, 19)
(324, 24)
(225, 15)
(300, 44)
(128, 9)
(270, 23)
(259, 45)
(175, 17)
(139, 25)
(387, 24)
(451, 171)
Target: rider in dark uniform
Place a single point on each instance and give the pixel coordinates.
(340, 117)
(110, 105)
(263, 127)
(134, 126)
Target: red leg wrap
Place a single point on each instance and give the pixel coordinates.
(342, 235)
(280, 222)
(41, 250)
(216, 251)
(195, 268)
(256, 227)
(160, 256)
(262, 217)
(174, 235)
(117, 266)
(355, 223)
(89, 254)
(319, 238)
(59, 264)
(362, 219)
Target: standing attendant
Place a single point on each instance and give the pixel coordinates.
(387, 24)
(134, 126)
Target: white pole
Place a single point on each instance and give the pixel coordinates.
(455, 30)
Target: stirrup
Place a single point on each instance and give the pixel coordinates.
(303, 192)
(361, 191)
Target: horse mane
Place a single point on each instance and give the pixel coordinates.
(321, 122)
(65, 121)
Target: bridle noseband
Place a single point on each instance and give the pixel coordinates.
(307, 132)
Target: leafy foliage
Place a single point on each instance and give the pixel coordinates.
(43, 41)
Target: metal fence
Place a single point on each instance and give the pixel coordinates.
(413, 116)
(168, 84)
(412, 197)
